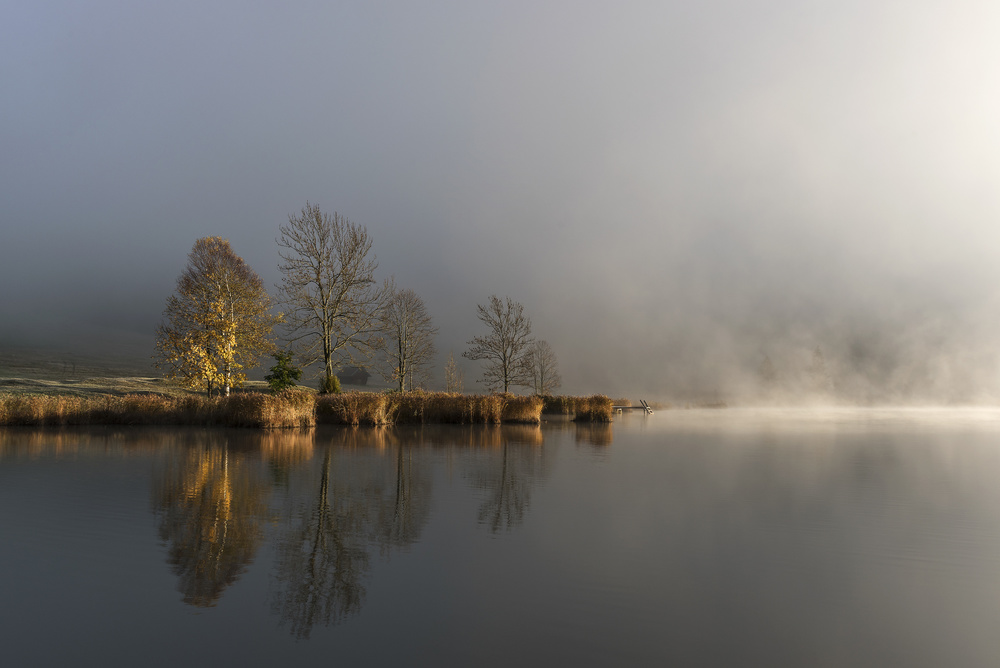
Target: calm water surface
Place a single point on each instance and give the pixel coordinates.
(716, 538)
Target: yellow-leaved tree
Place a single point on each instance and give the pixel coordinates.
(217, 323)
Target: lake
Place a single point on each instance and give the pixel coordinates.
(848, 537)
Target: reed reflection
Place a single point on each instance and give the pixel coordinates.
(210, 500)
(277, 444)
(598, 435)
(33, 442)
(284, 449)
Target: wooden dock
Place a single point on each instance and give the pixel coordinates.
(644, 407)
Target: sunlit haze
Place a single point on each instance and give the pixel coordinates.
(675, 191)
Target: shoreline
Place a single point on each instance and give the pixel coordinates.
(293, 409)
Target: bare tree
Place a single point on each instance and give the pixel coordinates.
(454, 379)
(409, 339)
(505, 346)
(542, 367)
(328, 286)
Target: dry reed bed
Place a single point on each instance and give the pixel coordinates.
(373, 409)
(285, 409)
(595, 408)
(291, 408)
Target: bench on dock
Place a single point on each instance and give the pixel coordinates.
(642, 407)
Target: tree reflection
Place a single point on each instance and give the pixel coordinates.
(405, 506)
(323, 559)
(371, 489)
(508, 477)
(210, 504)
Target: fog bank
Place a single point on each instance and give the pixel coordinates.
(676, 193)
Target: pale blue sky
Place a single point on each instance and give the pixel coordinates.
(673, 190)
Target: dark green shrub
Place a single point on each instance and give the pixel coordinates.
(329, 385)
(283, 374)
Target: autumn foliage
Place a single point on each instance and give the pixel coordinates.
(217, 323)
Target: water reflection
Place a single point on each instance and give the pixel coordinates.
(280, 447)
(702, 543)
(403, 512)
(31, 442)
(508, 479)
(372, 491)
(210, 501)
(284, 445)
(599, 435)
(330, 499)
(322, 556)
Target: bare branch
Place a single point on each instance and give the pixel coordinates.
(542, 368)
(409, 340)
(454, 379)
(504, 347)
(328, 286)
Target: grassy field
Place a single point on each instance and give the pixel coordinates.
(25, 371)
(46, 364)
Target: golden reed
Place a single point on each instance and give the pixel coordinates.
(595, 408)
(295, 408)
(373, 409)
(285, 409)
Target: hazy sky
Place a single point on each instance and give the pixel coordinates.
(672, 189)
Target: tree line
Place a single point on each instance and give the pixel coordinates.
(332, 312)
